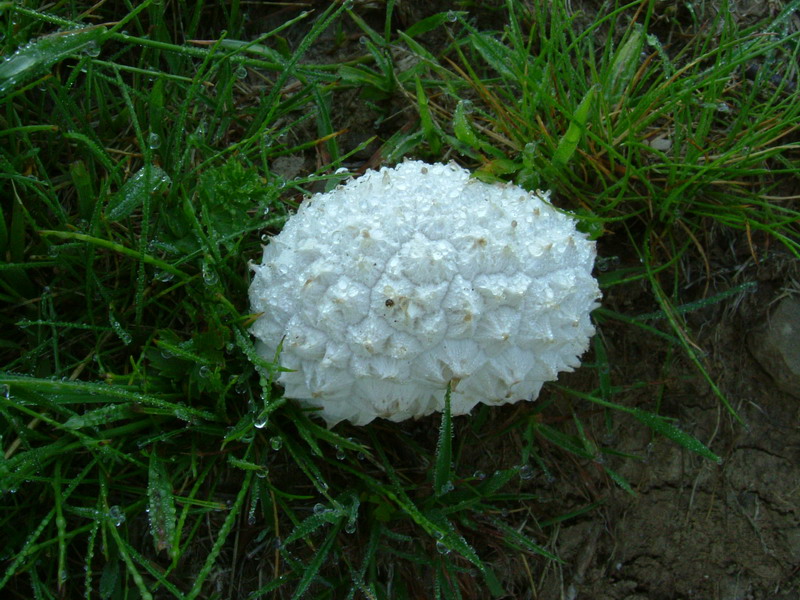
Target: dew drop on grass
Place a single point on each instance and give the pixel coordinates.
(261, 421)
(92, 49)
(123, 335)
(182, 413)
(276, 443)
(479, 475)
(204, 371)
(350, 527)
(442, 548)
(210, 276)
(526, 472)
(240, 72)
(5, 390)
(153, 141)
(452, 16)
(116, 515)
(340, 454)
(319, 508)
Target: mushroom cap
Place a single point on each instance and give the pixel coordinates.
(389, 287)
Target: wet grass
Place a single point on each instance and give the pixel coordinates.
(142, 453)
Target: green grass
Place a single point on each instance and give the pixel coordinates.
(142, 454)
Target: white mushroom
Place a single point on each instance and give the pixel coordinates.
(401, 281)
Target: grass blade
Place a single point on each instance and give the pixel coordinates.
(34, 59)
(442, 471)
(577, 127)
(161, 506)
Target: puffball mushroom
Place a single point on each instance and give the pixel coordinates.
(388, 288)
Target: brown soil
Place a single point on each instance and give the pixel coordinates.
(693, 529)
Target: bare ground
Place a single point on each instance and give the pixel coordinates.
(694, 529)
